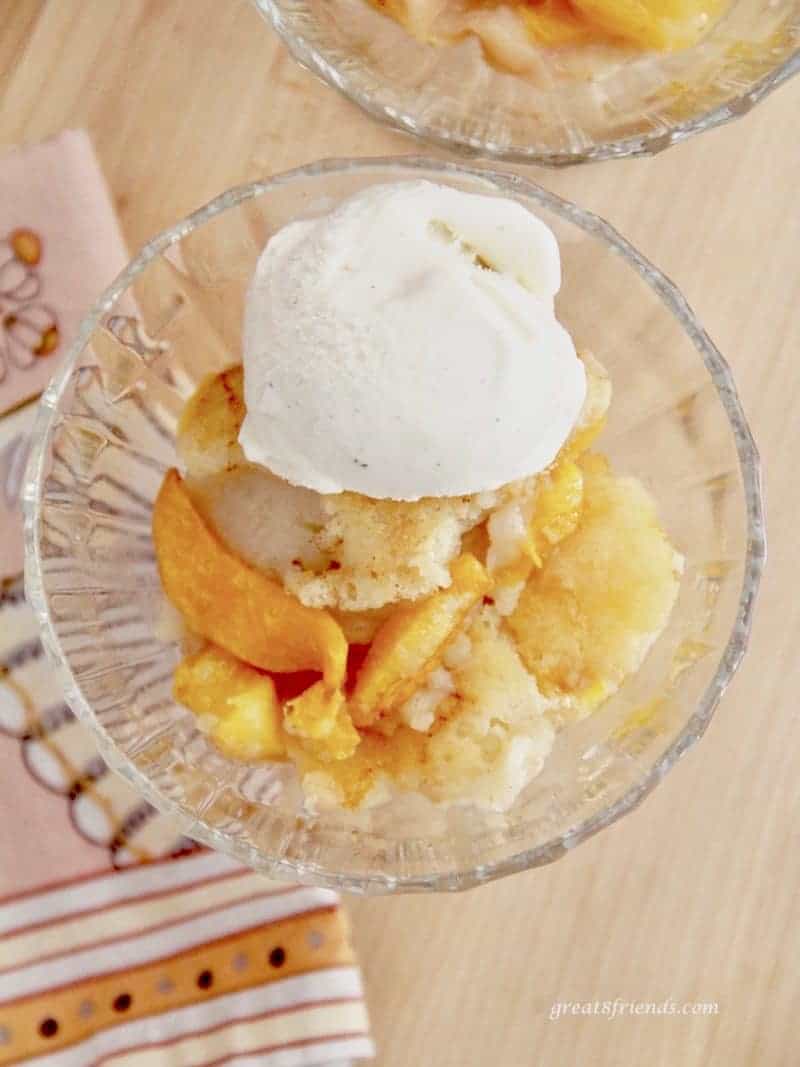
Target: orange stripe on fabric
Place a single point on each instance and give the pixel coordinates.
(310, 941)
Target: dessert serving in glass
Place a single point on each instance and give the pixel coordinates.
(546, 81)
(395, 525)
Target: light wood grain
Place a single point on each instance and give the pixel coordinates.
(695, 895)
(15, 34)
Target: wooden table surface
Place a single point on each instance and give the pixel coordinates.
(695, 895)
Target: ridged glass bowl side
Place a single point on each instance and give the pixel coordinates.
(608, 107)
(105, 436)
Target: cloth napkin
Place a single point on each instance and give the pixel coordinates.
(121, 942)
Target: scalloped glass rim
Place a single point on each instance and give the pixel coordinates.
(379, 882)
(645, 144)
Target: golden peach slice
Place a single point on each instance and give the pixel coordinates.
(234, 605)
(320, 721)
(240, 699)
(360, 627)
(659, 24)
(519, 545)
(205, 680)
(408, 645)
(251, 731)
(557, 510)
(208, 431)
(554, 22)
(400, 757)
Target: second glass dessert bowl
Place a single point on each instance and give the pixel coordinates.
(107, 435)
(599, 105)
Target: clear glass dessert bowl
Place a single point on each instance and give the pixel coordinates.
(106, 435)
(602, 105)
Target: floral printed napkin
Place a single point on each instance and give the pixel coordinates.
(60, 246)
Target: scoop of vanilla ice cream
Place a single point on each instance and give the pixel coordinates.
(406, 345)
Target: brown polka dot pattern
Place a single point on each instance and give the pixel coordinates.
(57, 1018)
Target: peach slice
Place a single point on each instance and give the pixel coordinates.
(234, 605)
(554, 22)
(319, 720)
(240, 702)
(519, 545)
(659, 24)
(408, 644)
(559, 500)
(208, 431)
(360, 627)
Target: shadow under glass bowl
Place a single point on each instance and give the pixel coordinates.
(603, 106)
(106, 435)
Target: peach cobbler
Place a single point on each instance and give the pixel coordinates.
(511, 31)
(402, 564)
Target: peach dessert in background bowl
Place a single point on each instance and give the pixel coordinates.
(546, 81)
(410, 518)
